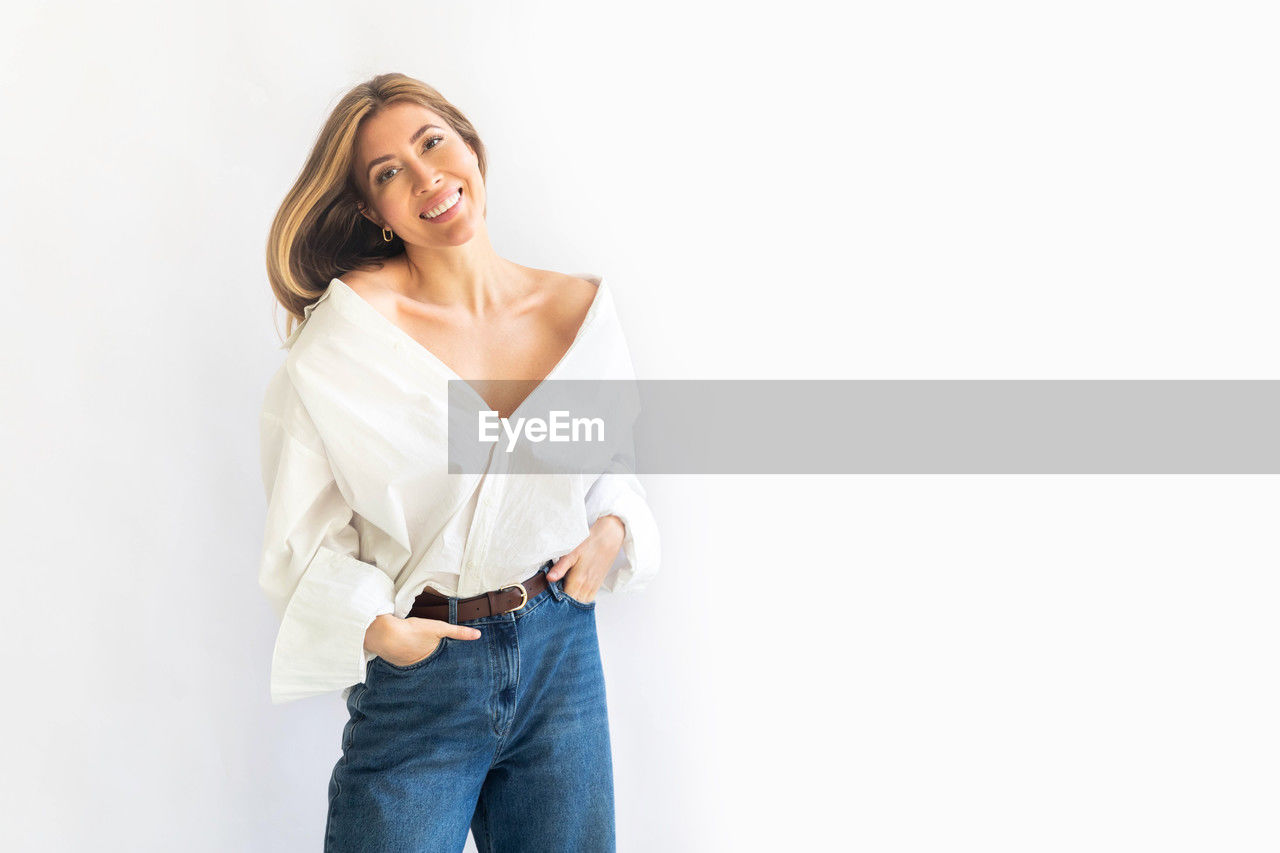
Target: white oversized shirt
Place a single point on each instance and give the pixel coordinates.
(362, 514)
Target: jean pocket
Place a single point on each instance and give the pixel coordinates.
(416, 665)
(582, 605)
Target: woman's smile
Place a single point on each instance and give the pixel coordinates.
(443, 210)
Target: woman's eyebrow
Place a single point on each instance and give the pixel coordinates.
(412, 139)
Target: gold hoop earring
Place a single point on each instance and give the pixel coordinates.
(387, 235)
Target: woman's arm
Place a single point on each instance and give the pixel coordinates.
(325, 597)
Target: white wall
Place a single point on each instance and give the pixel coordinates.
(891, 190)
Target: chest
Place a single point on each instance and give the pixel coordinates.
(503, 359)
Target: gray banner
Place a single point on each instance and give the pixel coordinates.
(880, 427)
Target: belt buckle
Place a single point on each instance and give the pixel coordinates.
(524, 596)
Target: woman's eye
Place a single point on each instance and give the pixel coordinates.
(426, 146)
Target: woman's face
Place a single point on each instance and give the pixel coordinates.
(411, 163)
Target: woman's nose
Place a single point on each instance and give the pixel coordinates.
(424, 176)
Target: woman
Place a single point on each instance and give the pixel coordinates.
(455, 611)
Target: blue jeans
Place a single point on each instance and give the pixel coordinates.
(507, 735)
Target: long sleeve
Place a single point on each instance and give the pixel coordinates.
(324, 596)
(618, 492)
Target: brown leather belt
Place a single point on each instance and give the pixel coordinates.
(432, 605)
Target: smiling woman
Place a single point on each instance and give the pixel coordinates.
(317, 232)
(396, 176)
(455, 611)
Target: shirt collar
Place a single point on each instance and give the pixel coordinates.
(306, 315)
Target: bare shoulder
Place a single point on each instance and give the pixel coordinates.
(567, 299)
(374, 285)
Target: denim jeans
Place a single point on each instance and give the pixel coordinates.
(507, 735)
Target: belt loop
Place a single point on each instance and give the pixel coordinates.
(554, 586)
(453, 610)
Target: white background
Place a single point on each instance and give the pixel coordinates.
(794, 190)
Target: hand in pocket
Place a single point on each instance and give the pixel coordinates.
(404, 642)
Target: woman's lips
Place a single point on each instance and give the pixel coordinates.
(448, 214)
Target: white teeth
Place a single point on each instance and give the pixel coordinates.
(443, 206)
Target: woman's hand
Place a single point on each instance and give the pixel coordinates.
(584, 568)
(406, 641)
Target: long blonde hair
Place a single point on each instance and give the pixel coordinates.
(318, 232)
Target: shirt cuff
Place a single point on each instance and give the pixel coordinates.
(637, 560)
(320, 646)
